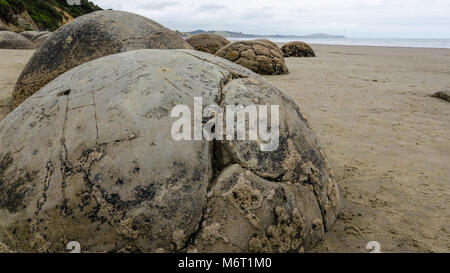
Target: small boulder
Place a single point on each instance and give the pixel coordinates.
(297, 49)
(30, 35)
(206, 42)
(258, 56)
(12, 40)
(444, 95)
(87, 38)
(39, 40)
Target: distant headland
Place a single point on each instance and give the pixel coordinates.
(231, 34)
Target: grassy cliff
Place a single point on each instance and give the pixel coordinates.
(46, 14)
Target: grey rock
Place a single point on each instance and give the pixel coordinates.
(31, 34)
(87, 38)
(39, 40)
(444, 95)
(90, 158)
(12, 40)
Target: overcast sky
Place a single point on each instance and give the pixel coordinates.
(352, 18)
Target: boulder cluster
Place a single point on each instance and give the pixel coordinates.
(87, 153)
(262, 56)
(23, 40)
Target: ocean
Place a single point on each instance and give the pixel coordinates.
(424, 43)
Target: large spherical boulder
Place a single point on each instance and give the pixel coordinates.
(258, 56)
(206, 42)
(30, 35)
(298, 49)
(91, 158)
(12, 40)
(87, 38)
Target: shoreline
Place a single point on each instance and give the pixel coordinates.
(323, 44)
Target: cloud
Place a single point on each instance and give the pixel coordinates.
(211, 7)
(353, 18)
(157, 5)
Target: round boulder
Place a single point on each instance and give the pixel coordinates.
(92, 158)
(30, 35)
(258, 56)
(274, 45)
(12, 40)
(297, 49)
(39, 40)
(87, 38)
(205, 42)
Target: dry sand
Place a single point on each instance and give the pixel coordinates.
(387, 140)
(12, 62)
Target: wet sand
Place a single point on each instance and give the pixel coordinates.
(387, 140)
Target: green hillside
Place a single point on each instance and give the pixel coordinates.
(46, 14)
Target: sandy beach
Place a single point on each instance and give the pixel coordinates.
(387, 140)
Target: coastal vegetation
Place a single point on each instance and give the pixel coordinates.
(46, 14)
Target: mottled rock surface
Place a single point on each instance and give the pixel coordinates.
(12, 40)
(90, 158)
(444, 95)
(297, 49)
(274, 45)
(205, 42)
(39, 40)
(87, 38)
(259, 56)
(31, 34)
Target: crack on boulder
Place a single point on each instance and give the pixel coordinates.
(48, 176)
(235, 74)
(176, 87)
(95, 117)
(65, 166)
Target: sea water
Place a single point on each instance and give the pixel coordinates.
(426, 43)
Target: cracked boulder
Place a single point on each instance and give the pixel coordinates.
(12, 40)
(298, 49)
(207, 42)
(274, 45)
(259, 56)
(87, 38)
(90, 158)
